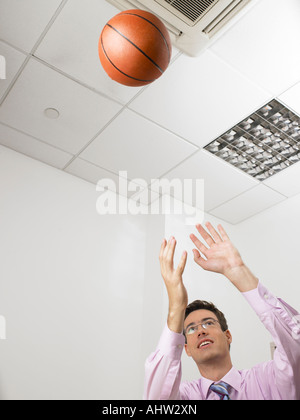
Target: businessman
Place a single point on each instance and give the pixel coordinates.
(201, 328)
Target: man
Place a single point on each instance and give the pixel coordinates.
(202, 329)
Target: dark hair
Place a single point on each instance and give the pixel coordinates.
(202, 304)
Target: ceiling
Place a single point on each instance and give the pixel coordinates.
(160, 131)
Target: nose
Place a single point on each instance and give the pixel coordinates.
(201, 331)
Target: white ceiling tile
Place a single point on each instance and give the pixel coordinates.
(89, 171)
(82, 112)
(222, 182)
(248, 204)
(22, 22)
(286, 182)
(77, 31)
(263, 45)
(34, 148)
(93, 173)
(200, 98)
(13, 61)
(133, 144)
(291, 98)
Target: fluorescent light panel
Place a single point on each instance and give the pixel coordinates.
(263, 144)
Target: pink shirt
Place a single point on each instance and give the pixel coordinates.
(278, 379)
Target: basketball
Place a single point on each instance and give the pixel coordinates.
(135, 48)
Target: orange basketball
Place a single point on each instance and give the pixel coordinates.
(135, 48)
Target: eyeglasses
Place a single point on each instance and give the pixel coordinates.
(192, 329)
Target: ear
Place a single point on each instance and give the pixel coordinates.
(228, 336)
(187, 350)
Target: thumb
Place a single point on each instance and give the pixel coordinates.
(198, 259)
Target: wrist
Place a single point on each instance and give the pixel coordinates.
(242, 278)
(233, 272)
(176, 319)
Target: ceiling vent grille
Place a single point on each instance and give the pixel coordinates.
(193, 10)
(265, 143)
(193, 24)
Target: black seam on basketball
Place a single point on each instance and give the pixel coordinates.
(141, 51)
(127, 75)
(149, 21)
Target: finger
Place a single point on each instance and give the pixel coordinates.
(197, 255)
(170, 251)
(167, 247)
(217, 238)
(162, 248)
(182, 263)
(223, 233)
(208, 239)
(198, 244)
(199, 260)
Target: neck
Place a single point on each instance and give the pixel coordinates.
(215, 371)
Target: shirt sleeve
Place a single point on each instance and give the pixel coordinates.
(283, 322)
(163, 368)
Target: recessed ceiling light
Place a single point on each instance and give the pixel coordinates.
(51, 113)
(263, 144)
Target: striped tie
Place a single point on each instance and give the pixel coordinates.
(221, 389)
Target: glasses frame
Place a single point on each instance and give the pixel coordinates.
(204, 325)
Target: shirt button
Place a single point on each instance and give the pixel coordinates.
(266, 296)
(179, 346)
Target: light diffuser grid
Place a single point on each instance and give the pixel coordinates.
(263, 144)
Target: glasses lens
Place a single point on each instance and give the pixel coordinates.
(206, 325)
(210, 323)
(191, 330)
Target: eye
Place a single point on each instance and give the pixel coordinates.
(210, 323)
(191, 330)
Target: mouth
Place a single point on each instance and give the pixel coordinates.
(204, 344)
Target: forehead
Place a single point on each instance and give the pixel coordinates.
(198, 316)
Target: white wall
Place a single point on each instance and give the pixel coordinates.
(71, 288)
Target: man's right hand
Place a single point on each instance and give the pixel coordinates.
(178, 298)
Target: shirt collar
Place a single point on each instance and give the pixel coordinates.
(232, 378)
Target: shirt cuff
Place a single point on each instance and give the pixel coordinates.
(260, 299)
(171, 343)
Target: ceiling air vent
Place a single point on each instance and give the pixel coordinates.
(193, 24)
(191, 10)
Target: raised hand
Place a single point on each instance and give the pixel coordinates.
(178, 298)
(222, 257)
